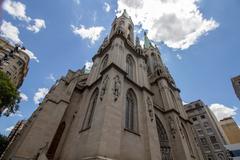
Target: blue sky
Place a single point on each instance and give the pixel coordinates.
(198, 40)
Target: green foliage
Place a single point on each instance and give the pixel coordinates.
(3, 143)
(9, 96)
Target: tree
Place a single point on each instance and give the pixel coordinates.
(3, 143)
(9, 95)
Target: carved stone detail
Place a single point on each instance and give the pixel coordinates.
(116, 87)
(104, 87)
(150, 110)
(172, 126)
(180, 128)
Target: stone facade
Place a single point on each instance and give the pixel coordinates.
(14, 62)
(236, 85)
(127, 108)
(231, 130)
(208, 133)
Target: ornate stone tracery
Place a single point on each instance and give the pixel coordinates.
(150, 110)
(104, 87)
(172, 126)
(116, 87)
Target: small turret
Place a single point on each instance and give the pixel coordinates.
(123, 25)
(147, 42)
(138, 46)
(156, 67)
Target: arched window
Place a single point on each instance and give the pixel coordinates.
(131, 118)
(90, 111)
(56, 139)
(163, 141)
(130, 67)
(104, 62)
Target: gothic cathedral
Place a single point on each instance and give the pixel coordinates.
(127, 108)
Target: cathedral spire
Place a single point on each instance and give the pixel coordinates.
(125, 14)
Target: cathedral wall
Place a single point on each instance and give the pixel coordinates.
(42, 130)
(85, 142)
(134, 145)
(64, 147)
(178, 139)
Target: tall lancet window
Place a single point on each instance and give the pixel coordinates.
(90, 111)
(163, 141)
(104, 62)
(130, 67)
(131, 118)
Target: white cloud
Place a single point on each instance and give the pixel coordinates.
(16, 9)
(106, 7)
(222, 111)
(10, 32)
(88, 66)
(37, 26)
(24, 97)
(9, 129)
(179, 56)
(40, 94)
(184, 103)
(91, 33)
(16, 114)
(31, 55)
(51, 77)
(76, 1)
(177, 23)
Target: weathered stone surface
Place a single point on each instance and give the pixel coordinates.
(77, 125)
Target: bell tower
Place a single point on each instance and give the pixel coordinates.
(125, 25)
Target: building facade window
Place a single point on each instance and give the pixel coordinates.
(20, 63)
(200, 132)
(205, 124)
(216, 146)
(131, 118)
(194, 118)
(206, 149)
(197, 126)
(203, 141)
(209, 130)
(90, 111)
(130, 66)
(209, 157)
(202, 116)
(213, 139)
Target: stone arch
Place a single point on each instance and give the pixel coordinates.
(90, 111)
(130, 67)
(131, 111)
(163, 141)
